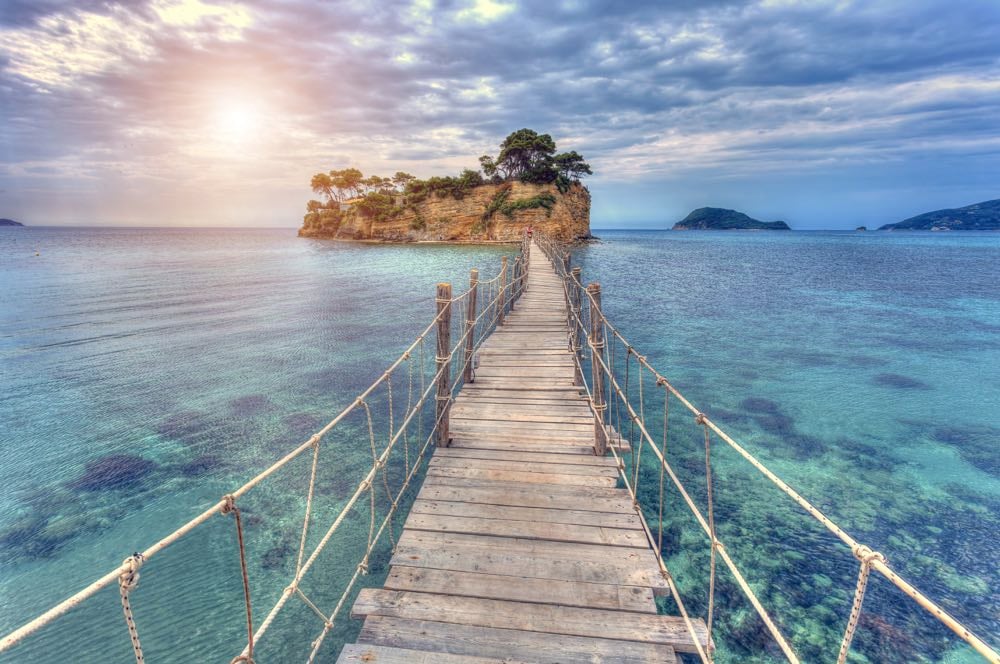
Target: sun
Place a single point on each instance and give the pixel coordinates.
(238, 121)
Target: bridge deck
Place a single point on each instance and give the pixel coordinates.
(519, 547)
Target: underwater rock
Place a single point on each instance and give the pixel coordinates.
(276, 556)
(977, 444)
(900, 382)
(200, 465)
(302, 425)
(185, 426)
(250, 405)
(760, 405)
(116, 471)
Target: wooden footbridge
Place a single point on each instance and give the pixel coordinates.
(526, 427)
(520, 547)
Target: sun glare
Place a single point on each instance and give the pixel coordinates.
(238, 121)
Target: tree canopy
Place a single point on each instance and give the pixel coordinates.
(529, 156)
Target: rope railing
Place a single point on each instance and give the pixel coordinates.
(612, 406)
(480, 309)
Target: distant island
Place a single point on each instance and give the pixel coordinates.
(983, 216)
(10, 222)
(721, 219)
(527, 184)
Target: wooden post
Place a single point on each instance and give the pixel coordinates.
(443, 300)
(502, 301)
(566, 262)
(470, 324)
(597, 372)
(575, 337)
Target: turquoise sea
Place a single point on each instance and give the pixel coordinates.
(144, 373)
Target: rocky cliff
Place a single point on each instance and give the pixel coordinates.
(489, 212)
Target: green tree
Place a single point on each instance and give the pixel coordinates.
(569, 167)
(348, 181)
(526, 153)
(401, 179)
(323, 184)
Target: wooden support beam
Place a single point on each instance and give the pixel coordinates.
(470, 323)
(442, 363)
(597, 372)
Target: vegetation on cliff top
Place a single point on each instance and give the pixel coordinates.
(525, 156)
(721, 219)
(983, 216)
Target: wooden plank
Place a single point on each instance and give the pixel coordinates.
(526, 616)
(494, 586)
(624, 520)
(555, 447)
(643, 558)
(491, 642)
(582, 493)
(529, 530)
(523, 477)
(510, 496)
(364, 653)
(521, 466)
(527, 565)
(527, 457)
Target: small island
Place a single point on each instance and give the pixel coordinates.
(528, 184)
(721, 219)
(10, 222)
(983, 216)
(861, 229)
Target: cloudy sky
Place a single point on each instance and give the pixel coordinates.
(205, 112)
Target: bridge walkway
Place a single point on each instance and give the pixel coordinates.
(519, 546)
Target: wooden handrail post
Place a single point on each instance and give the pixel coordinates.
(597, 389)
(443, 364)
(566, 259)
(577, 321)
(503, 291)
(470, 324)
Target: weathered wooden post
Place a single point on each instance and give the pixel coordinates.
(470, 324)
(597, 371)
(577, 322)
(566, 263)
(502, 301)
(443, 364)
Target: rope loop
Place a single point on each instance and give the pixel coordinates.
(866, 555)
(661, 381)
(700, 419)
(228, 503)
(128, 580)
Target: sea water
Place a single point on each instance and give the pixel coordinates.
(144, 373)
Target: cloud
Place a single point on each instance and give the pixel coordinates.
(193, 101)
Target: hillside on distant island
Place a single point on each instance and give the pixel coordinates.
(527, 184)
(721, 219)
(10, 222)
(983, 216)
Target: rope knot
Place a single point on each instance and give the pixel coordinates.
(363, 567)
(228, 504)
(700, 419)
(661, 381)
(866, 555)
(128, 580)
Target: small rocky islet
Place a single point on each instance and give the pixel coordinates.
(722, 219)
(10, 222)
